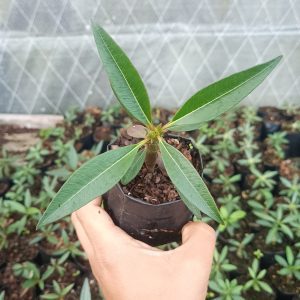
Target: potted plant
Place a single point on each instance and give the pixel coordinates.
(151, 148)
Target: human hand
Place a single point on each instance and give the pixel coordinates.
(128, 269)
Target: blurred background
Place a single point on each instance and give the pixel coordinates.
(48, 60)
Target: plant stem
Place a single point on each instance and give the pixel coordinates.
(151, 155)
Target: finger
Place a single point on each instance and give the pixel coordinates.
(82, 236)
(98, 225)
(200, 239)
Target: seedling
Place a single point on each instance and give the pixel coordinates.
(239, 247)
(68, 247)
(290, 265)
(7, 163)
(264, 180)
(36, 153)
(228, 182)
(26, 174)
(221, 264)
(291, 187)
(231, 220)
(249, 115)
(103, 172)
(226, 289)
(26, 211)
(59, 292)
(256, 279)
(277, 140)
(251, 160)
(31, 274)
(230, 202)
(278, 224)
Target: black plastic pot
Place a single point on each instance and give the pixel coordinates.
(268, 259)
(270, 124)
(5, 184)
(282, 295)
(293, 149)
(153, 224)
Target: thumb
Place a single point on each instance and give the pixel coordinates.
(97, 224)
(200, 238)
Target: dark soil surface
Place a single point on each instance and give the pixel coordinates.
(156, 187)
(286, 285)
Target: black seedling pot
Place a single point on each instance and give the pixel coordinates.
(282, 295)
(153, 224)
(5, 184)
(268, 259)
(293, 149)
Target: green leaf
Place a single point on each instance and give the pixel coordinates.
(85, 293)
(265, 287)
(92, 179)
(188, 182)
(135, 167)
(194, 209)
(124, 78)
(220, 96)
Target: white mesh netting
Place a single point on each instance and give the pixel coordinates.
(48, 60)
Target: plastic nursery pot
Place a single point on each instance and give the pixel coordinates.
(5, 184)
(283, 291)
(293, 149)
(268, 258)
(271, 120)
(154, 224)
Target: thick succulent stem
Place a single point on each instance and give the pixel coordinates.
(151, 155)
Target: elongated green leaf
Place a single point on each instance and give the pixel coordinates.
(85, 293)
(220, 96)
(188, 182)
(135, 167)
(124, 78)
(93, 179)
(195, 210)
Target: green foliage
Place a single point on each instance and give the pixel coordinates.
(264, 180)
(230, 220)
(239, 247)
(7, 164)
(101, 173)
(31, 275)
(221, 264)
(277, 140)
(94, 178)
(36, 153)
(256, 282)
(85, 293)
(135, 167)
(250, 161)
(187, 181)
(226, 289)
(278, 224)
(290, 265)
(58, 291)
(124, 78)
(228, 182)
(220, 96)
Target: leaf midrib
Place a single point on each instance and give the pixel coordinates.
(99, 175)
(201, 107)
(106, 46)
(184, 174)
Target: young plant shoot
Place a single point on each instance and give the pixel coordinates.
(101, 173)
